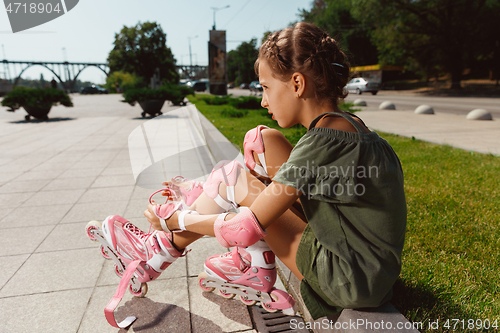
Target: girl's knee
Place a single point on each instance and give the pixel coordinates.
(265, 150)
(270, 135)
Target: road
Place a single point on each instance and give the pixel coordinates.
(410, 101)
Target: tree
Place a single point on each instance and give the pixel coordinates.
(438, 34)
(119, 81)
(335, 17)
(140, 50)
(240, 63)
(264, 38)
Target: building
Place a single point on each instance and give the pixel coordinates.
(378, 73)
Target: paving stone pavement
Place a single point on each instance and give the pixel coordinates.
(455, 130)
(57, 175)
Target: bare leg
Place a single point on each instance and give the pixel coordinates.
(283, 236)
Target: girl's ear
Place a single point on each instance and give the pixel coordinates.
(299, 84)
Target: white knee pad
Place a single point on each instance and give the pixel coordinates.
(226, 172)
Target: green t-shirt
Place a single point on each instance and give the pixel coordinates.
(354, 201)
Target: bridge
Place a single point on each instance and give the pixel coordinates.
(71, 70)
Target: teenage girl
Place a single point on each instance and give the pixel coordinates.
(333, 207)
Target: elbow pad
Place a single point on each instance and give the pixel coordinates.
(253, 143)
(242, 230)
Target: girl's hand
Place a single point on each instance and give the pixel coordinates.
(152, 218)
(166, 193)
(171, 222)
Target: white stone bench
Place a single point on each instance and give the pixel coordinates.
(383, 319)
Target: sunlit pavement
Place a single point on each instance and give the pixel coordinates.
(442, 128)
(57, 175)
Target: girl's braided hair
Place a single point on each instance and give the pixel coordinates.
(309, 50)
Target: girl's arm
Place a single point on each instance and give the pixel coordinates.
(271, 203)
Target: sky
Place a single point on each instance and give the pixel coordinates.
(86, 33)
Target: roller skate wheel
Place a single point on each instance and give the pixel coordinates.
(118, 271)
(267, 305)
(246, 301)
(104, 252)
(201, 282)
(223, 293)
(92, 225)
(143, 290)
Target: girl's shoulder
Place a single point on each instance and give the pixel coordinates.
(342, 121)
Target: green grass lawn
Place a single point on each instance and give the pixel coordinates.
(451, 259)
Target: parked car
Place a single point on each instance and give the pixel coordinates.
(93, 89)
(230, 86)
(360, 85)
(255, 87)
(244, 86)
(198, 85)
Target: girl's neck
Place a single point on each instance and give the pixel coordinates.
(311, 110)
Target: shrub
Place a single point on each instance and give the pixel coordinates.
(178, 93)
(246, 102)
(242, 102)
(36, 97)
(231, 112)
(171, 92)
(217, 100)
(124, 80)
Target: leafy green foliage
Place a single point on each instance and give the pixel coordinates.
(230, 111)
(140, 50)
(435, 35)
(240, 63)
(264, 37)
(335, 17)
(35, 97)
(429, 37)
(171, 92)
(241, 102)
(246, 102)
(124, 80)
(178, 93)
(217, 100)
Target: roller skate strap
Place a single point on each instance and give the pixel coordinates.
(226, 172)
(192, 193)
(122, 287)
(171, 194)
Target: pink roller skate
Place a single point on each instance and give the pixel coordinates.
(249, 273)
(139, 257)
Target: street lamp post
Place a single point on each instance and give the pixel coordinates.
(190, 57)
(65, 57)
(216, 10)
